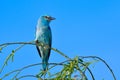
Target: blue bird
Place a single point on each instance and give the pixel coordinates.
(44, 35)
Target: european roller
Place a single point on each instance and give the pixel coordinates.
(44, 35)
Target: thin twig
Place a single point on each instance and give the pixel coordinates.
(56, 50)
(103, 62)
(88, 70)
(10, 56)
(28, 66)
(27, 76)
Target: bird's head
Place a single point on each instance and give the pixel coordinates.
(47, 18)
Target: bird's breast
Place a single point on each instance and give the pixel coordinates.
(43, 34)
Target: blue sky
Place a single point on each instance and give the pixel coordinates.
(81, 28)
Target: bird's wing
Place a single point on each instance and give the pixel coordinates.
(38, 48)
(50, 41)
(36, 40)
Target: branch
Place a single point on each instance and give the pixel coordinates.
(12, 43)
(18, 71)
(39, 44)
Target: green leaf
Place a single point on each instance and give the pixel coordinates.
(13, 51)
(49, 74)
(0, 50)
(39, 79)
(12, 58)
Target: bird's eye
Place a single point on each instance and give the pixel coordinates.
(46, 17)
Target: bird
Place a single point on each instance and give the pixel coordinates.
(44, 36)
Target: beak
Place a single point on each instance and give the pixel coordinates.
(52, 18)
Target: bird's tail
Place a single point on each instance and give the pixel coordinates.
(44, 64)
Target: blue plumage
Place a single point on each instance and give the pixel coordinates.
(43, 35)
